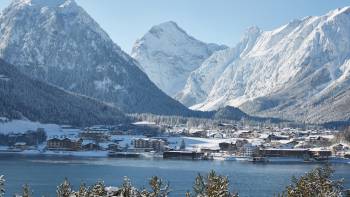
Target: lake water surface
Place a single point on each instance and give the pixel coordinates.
(43, 174)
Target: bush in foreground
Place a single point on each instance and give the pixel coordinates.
(2, 186)
(211, 185)
(316, 183)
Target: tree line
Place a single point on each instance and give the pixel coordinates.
(343, 136)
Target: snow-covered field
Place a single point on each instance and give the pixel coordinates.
(21, 126)
(195, 143)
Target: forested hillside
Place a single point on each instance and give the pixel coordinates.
(23, 97)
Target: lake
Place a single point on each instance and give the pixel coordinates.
(44, 173)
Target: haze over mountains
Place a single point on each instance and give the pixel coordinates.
(299, 71)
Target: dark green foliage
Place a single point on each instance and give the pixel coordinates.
(2, 186)
(64, 189)
(126, 189)
(182, 145)
(30, 138)
(159, 189)
(316, 183)
(212, 185)
(342, 136)
(199, 186)
(346, 134)
(230, 113)
(98, 189)
(27, 192)
(21, 96)
(83, 191)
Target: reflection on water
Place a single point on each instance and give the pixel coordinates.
(44, 173)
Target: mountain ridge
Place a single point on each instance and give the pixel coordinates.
(23, 97)
(167, 54)
(59, 43)
(293, 70)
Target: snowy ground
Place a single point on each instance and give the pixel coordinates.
(21, 126)
(53, 130)
(194, 143)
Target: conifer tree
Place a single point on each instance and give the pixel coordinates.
(217, 185)
(98, 190)
(64, 189)
(199, 187)
(126, 189)
(212, 185)
(315, 183)
(27, 192)
(2, 186)
(159, 189)
(83, 191)
(182, 145)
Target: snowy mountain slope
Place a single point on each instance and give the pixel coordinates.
(201, 80)
(56, 41)
(290, 70)
(168, 55)
(302, 100)
(23, 97)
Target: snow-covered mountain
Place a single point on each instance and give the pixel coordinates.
(56, 41)
(296, 71)
(201, 81)
(167, 54)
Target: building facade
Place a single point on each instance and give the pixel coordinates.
(64, 144)
(149, 144)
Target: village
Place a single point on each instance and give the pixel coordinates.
(143, 139)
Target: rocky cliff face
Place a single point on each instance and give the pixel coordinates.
(168, 55)
(201, 81)
(298, 71)
(56, 41)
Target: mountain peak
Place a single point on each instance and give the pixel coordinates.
(64, 6)
(167, 25)
(166, 28)
(46, 3)
(342, 10)
(252, 32)
(168, 55)
(339, 11)
(60, 43)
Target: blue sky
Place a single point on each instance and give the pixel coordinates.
(218, 21)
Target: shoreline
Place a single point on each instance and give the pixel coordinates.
(92, 154)
(147, 156)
